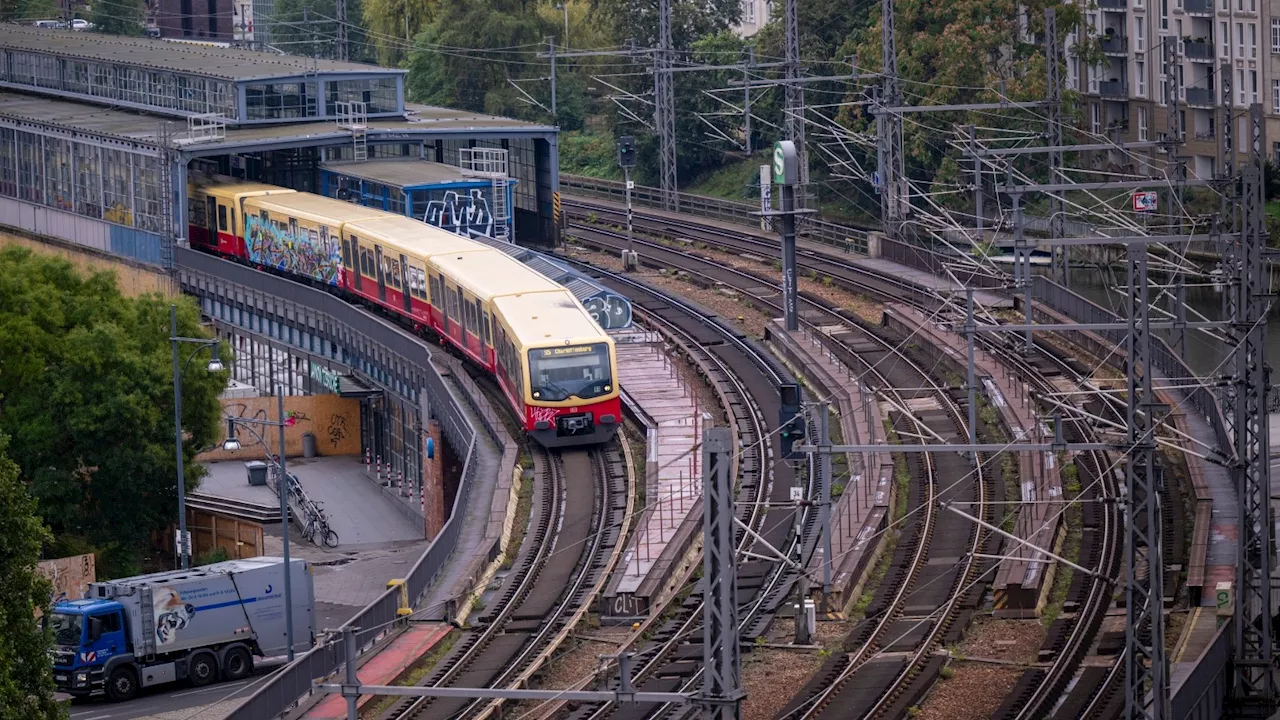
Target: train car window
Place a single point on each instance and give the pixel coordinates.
(435, 289)
(451, 303)
(395, 273)
(346, 252)
(235, 229)
(480, 331)
(488, 333)
(222, 217)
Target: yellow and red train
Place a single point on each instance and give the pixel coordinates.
(555, 365)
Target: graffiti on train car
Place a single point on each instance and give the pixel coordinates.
(311, 252)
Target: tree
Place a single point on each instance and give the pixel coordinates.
(118, 17)
(86, 395)
(308, 27)
(26, 674)
(393, 24)
(28, 10)
(441, 73)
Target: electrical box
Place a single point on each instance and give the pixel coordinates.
(791, 421)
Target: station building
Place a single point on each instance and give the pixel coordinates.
(99, 135)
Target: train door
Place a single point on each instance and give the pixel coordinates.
(346, 259)
(359, 264)
(404, 284)
(382, 279)
(487, 330)
(211, 219)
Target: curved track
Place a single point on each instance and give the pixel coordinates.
(574, 522)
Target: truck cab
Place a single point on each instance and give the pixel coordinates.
(86, 635)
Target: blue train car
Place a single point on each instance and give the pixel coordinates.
(437, 194)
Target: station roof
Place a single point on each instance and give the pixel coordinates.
(210, 61)
(86, 117)
(400, 172)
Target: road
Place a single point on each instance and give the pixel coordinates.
(170, 698)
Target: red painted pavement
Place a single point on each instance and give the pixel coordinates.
(383, 668)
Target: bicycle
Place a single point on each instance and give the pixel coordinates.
(312, 526)
(328, 536)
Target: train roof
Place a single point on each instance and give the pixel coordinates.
(318, 208)
(412, 237)
(489, 273)
(232, 190)
(402, 172)
(548, 318)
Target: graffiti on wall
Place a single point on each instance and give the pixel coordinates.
(461, 215)
(294, 249)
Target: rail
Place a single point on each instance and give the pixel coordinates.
(367, 337)
(842, 237)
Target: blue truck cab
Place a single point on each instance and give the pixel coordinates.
(202, 624)
(86, 634)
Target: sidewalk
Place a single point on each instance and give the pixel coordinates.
(384, 667)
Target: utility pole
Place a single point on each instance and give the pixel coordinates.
(889, 127)
(551, 53)
(824, 499)
(721, 684)
(795, 92)
(785, 174)
(627, 161)
(1053, 79)
(340, 9)
(664, 109)
(746, 97)
(1254, 684)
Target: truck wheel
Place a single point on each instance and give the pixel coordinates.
(122, 685)
(237, 664)
(202, 669)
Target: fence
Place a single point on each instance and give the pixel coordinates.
(393, 358)
(842, 237)
(1200, 696)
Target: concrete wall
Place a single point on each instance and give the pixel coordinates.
(84, 231)
(132, 278)
(334, 420)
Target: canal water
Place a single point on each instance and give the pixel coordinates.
(1205, 354)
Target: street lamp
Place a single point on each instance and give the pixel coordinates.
(214, 366)
(232, 444)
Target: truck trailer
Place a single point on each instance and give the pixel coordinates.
(202, 624)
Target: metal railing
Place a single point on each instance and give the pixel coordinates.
(842, 237)
(321, 312)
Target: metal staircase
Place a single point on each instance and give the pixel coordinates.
(491, 163)
(354, 116)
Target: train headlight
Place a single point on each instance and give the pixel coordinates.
(537, 394)
(608, 388)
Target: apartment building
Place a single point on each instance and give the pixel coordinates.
(1126, 95)
(755, 15)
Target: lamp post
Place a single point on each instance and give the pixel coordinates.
(214, 366)
(231, 444)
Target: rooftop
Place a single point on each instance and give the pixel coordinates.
(86, 117)
(401, 173)
(548, 318)
(195, 59)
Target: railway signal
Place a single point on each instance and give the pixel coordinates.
(626, 161)
(791, 421)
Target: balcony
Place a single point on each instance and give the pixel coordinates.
(1115, 45)
(1197, 7)
(1120, 5)
(1200, 97)
(1198, 51)
(1115, 89)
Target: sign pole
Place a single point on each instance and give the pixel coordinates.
(785, 170)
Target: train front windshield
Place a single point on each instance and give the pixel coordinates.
(559, 373)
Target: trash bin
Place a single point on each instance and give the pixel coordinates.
(308, 445)
(257, 472)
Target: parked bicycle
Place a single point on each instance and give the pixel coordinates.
(317, 530)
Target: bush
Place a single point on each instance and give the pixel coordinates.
(215, 555)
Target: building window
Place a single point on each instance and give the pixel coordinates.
(1275, 153)
(380, 95)
(1140, 70)
(1140, 33)
(1142, 124)
(1239, 87)
(749, 12)
(1253, 40)
(1253, 86)
(1224, 40)
(1275, 35)
(1097, 119)
(1275, 96)
(1239, 40)
(278, 101)
(1164, 14)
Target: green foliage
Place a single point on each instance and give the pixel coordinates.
(210, 557)
(304, 27)
(393, 24)
(26, 675)
(28, 10)
(86, 394)
(118, 17)
(589, 154)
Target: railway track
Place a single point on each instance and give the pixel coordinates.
(565, 553)
(913, 580)
(749, 378)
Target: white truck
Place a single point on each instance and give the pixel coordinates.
(201, 625)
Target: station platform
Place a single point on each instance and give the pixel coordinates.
(859, 512)
(673, 469)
